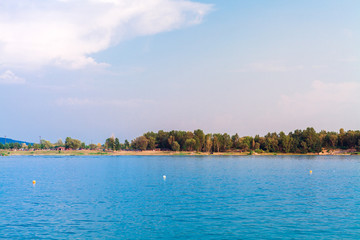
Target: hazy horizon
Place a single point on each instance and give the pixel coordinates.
(126, 67)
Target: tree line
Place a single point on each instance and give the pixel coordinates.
(70, 143)
(298, 141)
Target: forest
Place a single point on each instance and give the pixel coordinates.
(298, 141)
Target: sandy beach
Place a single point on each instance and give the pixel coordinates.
(162, 153)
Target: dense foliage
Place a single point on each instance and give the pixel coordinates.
(299, 141)
(70, 143)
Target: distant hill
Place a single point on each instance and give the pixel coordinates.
(9, 140)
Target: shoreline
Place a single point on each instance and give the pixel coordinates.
(335, 152)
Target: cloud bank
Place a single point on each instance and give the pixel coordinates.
(8, 77)
(323, 98)
(82, 102)
(66, 32)
(270, 67)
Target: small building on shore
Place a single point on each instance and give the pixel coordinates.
(60, 149)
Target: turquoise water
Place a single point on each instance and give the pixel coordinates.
(229, 197)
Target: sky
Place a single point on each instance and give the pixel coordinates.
(92, 68)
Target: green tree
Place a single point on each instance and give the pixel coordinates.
(244, 144)
(208, 142)
(284, 142)
(350, 139)
(140, 143)
(162, 140)
(110, 143)
(46, 144)
(151, 145)
(271, 142)
(312, 140)
(72, 143)
(93, 146)
(330, 140)
(200, 139)
(303, 147)
(117, 144)
(15, 145)
(59, 143)
(36, 146)
(126, 144)
(227, 143)
(180, 137)
(190, 144)
(216, 143)
(341, 137)
(235, 141)
(175, 146)
(151, 136)
(171, 139)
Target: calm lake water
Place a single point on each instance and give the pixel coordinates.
(203, 197)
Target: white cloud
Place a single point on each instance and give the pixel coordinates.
(66, 32)
(270, 67)
(348, 33)
(8, 77)
(319, 66)
(82, 102)
(349, 60)
(323, 98)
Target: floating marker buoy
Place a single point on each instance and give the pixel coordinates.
(34, 182)
(310, 171)
(164, 177)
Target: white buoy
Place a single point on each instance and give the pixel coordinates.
(164, 177)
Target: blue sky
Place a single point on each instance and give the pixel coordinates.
(90, 69)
